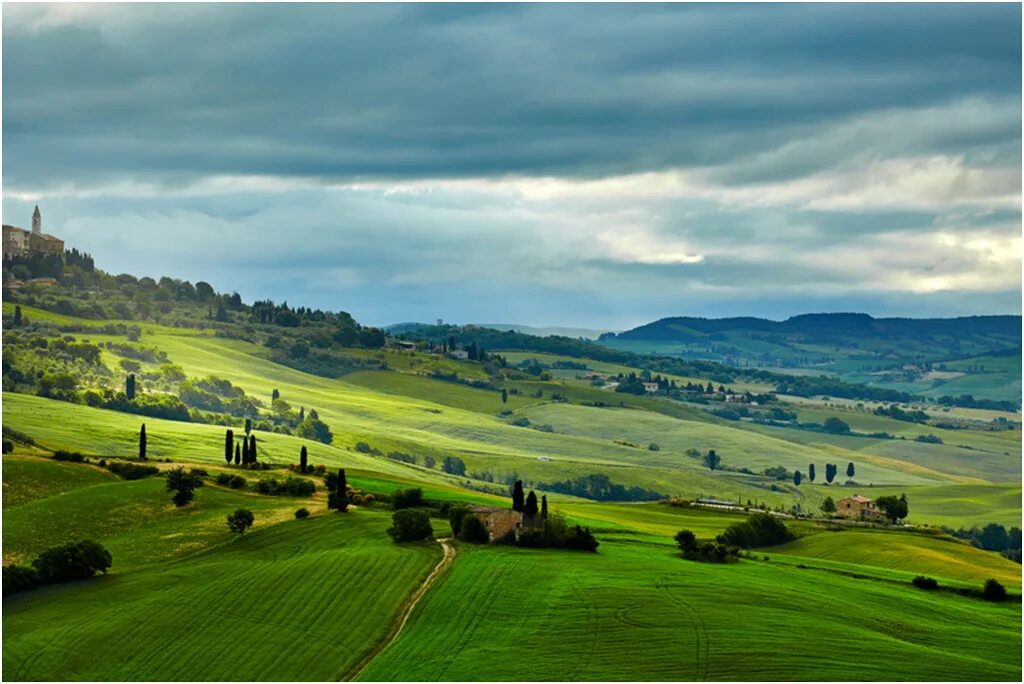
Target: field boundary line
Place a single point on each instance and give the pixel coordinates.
(410, 606)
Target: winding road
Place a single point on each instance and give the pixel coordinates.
(399, 624)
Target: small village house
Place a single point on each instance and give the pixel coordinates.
(651, 387)
(498, 521)
(857, 507)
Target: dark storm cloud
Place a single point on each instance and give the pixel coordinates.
(175, 93)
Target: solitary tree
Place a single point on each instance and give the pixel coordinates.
(518, 502)
(828, 505)
(830, 472)
(797, 477)
(274, 396)
(530, 509)
(238, 454)
(849, 469)
(183, 484)
(544, 507)
(711, 459)
(17, 316)
(229, 441)
(303, 459)
(240, 520)
(810, 472)
(893, 508)
(248, 425)
(142, 443)
(504, 396)
(129, 387)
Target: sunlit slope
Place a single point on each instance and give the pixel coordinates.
(301, 600)
(29, 479)
(939, 557)
(638, 612)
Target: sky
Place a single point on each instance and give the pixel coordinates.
(598, 166)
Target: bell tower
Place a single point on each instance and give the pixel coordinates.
(37, 222)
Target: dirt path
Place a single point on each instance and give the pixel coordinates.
(399, 625)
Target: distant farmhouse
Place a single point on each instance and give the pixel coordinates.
(857, 506)
(498, 521)
(20, 242)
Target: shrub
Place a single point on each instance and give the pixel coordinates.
(922, 582)
(8, 448)
(653, 447)
(993, 591)
(473, 531)
(240, 520)
(302, 513)
(407, 498)
(337, 501)
(19, 578)
(686, 540)
(292, 486)
(131, 471)
(410, 525)
(70, 562)
(72, 456)
(760, 529)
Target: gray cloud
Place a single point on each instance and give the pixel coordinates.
(541, 163)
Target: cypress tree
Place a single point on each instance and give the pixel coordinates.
(810, 472)
(17, 316)
(544, 507)
(302, 413)
(504, 396)
(342, 481)
(797, 477)
(530, 509)
(275, 395)
(518, 502)
(229, 440)
(245, 451)
(238, 454)
(142, 443)
(248, 425)
(303, 459)
(129, 386)
(252, 448)
(850, 469)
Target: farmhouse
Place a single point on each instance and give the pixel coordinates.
(857, 506)
(651, 387)
(20, 242)
(459, 354)
(498, 521)
(406, 345)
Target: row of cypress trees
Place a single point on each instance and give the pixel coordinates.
(528, 505)
(240, 454)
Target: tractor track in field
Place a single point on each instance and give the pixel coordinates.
(410, 606)
(701, 651)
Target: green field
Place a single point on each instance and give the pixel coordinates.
(311, 600)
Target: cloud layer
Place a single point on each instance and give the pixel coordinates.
(548, 164)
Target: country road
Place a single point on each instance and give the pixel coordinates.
(399, 624)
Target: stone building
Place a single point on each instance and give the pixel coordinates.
(858, 507)
(20, 242)
(498, 521)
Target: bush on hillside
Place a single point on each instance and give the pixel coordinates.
(131, 471)
(407, 498)
(292, 486)
(760, 529)
(19, 578)
(302, 513)
(72, 456)
(993, 591)
(555, 533)
(183, 484)
(8, 446)
(71, 562)
(410, 525)
(230, 480)
(922, 582)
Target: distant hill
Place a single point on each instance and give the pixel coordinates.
(908, 354)
(542, 331)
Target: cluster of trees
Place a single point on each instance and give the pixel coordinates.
(555, 533)
(707, 552)
(66, 563)
(760, 529)
(895, 508)
(993, 537)
(896, 413)
(291, 486)
(600, 488)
